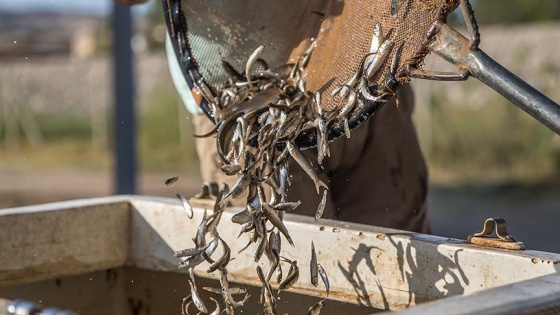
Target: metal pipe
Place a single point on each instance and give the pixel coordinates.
(517, 91)
(454, 48)
(124, 120)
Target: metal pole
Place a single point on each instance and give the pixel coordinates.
(515, 90)
(453, 47)
(124, 120)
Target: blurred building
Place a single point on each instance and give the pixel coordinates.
(48, 34)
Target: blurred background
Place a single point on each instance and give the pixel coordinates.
(486, 157)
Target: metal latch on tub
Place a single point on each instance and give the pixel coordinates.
(502, 238)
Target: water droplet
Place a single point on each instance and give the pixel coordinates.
(15, 41)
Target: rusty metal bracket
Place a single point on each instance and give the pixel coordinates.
(502, 238)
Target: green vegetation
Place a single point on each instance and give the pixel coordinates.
(496, 142)
(515, 11)
(510, 12)
(164, 141)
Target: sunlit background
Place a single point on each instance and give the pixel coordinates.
(486, 157)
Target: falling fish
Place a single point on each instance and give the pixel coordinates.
(222, 260)
(171, 181)
(313, 266)
(275, 220)
(321, 206)
(324, 277)
(186, 205)
(230, 290)
(196, 298)
(292, 277)
(304, 163)
(193, 251)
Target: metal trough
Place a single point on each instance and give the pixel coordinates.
(114, 256)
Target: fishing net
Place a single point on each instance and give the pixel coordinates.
(206, 32)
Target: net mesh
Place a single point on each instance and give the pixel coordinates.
(231, 30)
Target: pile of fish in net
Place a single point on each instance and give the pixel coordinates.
(259, 114)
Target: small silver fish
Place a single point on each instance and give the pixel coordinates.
(367, 94)
(191, 262)
(304, 163)
(226, 294)
(196, 260)
(171, 181)
(346, 127)
(186, 205)
(292, 277)
(274, 262)
(261, 247)
(275, 220)
(322, 141)
(321, 206)
(191, 251)
(287, 206)
(201, 231)
(196, 298)
(324, 277)
(211, 227)
(251, 61)
(242, 217)
(267, 298)
(350, 104)
(240, 186)
(377, 38)
(230, 290)
(376, 60)
(223, 259)
(313, 269)
(276, 243)
(279, 273)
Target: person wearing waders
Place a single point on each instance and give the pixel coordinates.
(378, 176)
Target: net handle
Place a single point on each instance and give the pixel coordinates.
(453, 47)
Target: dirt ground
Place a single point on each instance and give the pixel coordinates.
(532, 212)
